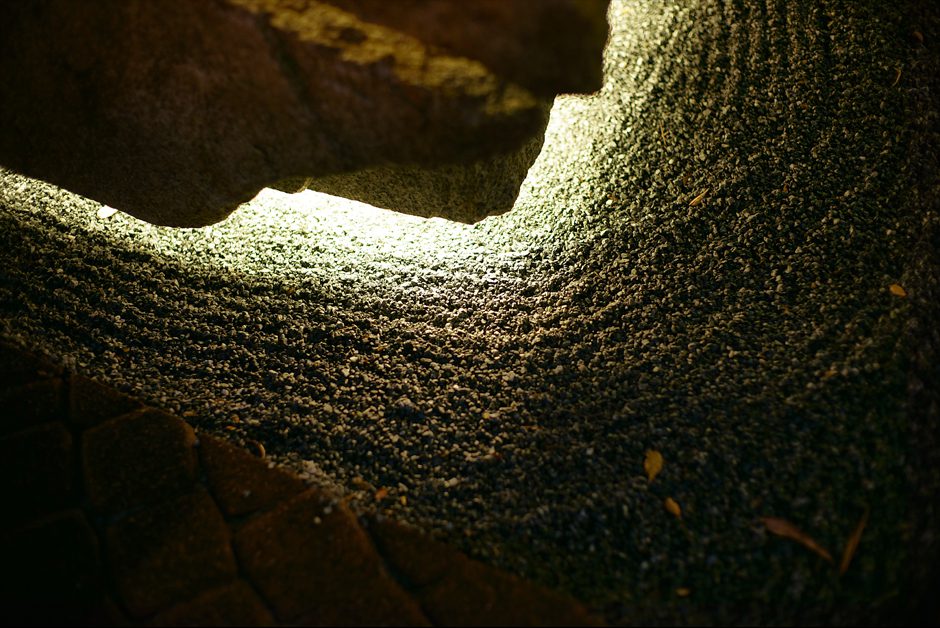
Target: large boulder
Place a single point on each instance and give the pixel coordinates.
(178, 111)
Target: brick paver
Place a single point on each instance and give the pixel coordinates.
(42, 457)
(117, 514)
(240, 482)
(57, 554)
(32, 403)
(169, 552)
(19, 367)
(91, 403)
(350, 583)
(235, 604)
(456, 591)
(138, 458)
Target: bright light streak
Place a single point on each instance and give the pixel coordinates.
(313, 211)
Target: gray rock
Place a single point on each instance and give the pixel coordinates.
(177, 112)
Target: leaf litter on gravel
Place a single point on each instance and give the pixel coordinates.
(787, 530)
(783, 528)
(653, 464)
(852, 544)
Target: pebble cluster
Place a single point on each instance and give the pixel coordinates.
(706, 261)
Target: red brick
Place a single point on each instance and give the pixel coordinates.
(455, 590)
(169, 552)
(313, 562)
(240, 482)
(235, 604)
(91, 403)
(137, 459)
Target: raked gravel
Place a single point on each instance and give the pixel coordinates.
(503, 382)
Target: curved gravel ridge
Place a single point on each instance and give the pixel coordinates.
(700, 263)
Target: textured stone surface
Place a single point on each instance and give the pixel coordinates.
(29, 404)
(240, 482)
(456, 591)
(169, 552)
(313, 563)
(235, 604)
(549, 46)
(178, 111)
(51, 572)
(35, 470)
(20, 367)
(137, 459)
(90, 402)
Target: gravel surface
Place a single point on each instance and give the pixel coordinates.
(700, 263)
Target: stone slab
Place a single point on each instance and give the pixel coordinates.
(314, 564)
(136, 459)
(242, 483)
(18, 366)
(50, 572)
(35, 472)
(37, 402)
(234, 604)
(169, 552)
(456, 591)
(91, 403)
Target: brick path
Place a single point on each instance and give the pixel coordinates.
(116, 513)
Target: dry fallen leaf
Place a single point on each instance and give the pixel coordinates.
(698, 199)
(673, 507)
(653, 464)
(782, 527)
(852, 544)
(381, 494)
(897, 290)
(256, 447)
